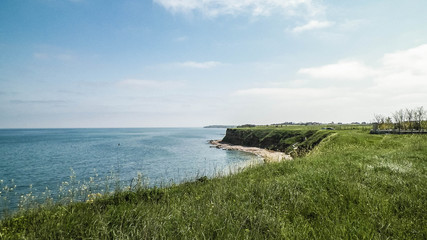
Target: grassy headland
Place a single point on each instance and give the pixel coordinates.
(294, 141)
(352, 185)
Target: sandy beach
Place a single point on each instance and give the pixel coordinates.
(267, 155)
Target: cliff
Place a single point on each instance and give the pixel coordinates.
(277, 139)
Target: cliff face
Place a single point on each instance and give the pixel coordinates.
(241, 137)
(275, 139)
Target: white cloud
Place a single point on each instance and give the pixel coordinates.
(141, 83)
(343, 70)
(269, 105)
(283, 93)
(413, 60)
(180, 39)
(214, 8)
(312, 25)
(186, 65)
(350, 25)
(399, 81)
(201, 65)
(404, 72)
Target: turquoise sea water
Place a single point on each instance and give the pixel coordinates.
(43, 157)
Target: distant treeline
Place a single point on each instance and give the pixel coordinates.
(412, 120)
(284, 124)
(220, 126)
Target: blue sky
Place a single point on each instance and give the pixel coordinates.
(170, 63)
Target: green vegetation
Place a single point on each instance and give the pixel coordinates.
(352, 185)
(293, 140)
(403, 119)
(312, 127)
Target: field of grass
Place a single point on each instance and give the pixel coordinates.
(353, 185)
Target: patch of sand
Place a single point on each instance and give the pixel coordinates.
(267, 155)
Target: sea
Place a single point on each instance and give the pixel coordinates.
(35, 161)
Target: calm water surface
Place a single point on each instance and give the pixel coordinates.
(44, 157)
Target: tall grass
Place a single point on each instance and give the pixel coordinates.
(351, 186)
(69, 191)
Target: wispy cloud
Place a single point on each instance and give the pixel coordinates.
(413, 60)
(286, 93)
(149, 84)
(201, 65)
(213, 8)
(343, 70)
(312, 25)
(397, 71)
(398, 81)
(37, 101)
(349, 25)
(187, 65)
(404, 72)
(180, 39)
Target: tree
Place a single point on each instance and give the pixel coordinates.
(419, 116)
(379, 119)
(388, 123)
(409, 117)
(399, 117)
(403, 119)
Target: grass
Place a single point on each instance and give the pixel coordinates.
(351, 186)
(364, 127)
(294, 140)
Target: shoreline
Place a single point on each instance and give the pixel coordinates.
(267, 155)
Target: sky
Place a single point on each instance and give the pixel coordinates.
(191, 63)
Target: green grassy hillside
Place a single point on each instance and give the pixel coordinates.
(351, 186)
(290, 140)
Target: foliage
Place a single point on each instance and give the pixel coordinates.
(403, 119)
(286, 139)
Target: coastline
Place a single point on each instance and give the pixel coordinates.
(268, 155)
